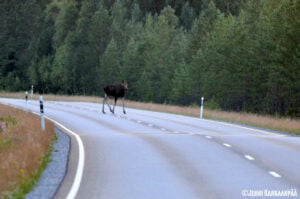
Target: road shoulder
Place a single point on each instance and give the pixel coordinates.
(54, 174)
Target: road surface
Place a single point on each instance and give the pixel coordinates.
(151, 155)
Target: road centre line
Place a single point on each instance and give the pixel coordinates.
(249, 157)
(231, 125)
(227, 145)
(227, 124)
(274, 174)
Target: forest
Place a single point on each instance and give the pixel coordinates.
(240, 55)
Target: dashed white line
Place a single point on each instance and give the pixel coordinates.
(208, 137)
(232, 125)
(274, 174)
(227, 145)
(175, 132)
(150, 125)
(163, 129)
(249, 157)
(138, 121)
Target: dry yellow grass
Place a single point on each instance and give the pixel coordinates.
(279, 124)
(22, 147)
(270, 122)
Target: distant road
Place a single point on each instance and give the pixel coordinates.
(150, 155)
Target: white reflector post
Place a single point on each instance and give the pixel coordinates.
(42, 113)
(31, 91)
(201, 107)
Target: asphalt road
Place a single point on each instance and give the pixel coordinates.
(151, 155)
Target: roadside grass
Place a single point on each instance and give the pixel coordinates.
(269, 122)
(24, 151)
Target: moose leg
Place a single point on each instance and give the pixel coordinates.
(103, 104)
(106, 101)
(123, 106)
(108, 105)
(113, 111)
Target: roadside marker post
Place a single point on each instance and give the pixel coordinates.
(42, 113)
(26, 101)
(201, 107)
(31, 91)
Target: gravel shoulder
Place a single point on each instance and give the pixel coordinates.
(55, 172)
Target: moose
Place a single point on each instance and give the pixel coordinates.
(115, 91)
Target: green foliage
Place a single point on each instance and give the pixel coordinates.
(239, 55)
(181, 90)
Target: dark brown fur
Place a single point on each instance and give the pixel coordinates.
(115, 91)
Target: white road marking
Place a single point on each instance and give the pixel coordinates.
(138, 121)
(150, 125)
(274, 174)
(249, 157)
(176, 132)
(208, 137)
(227, 145)
(78, 177)
(232, 125)
(163, 129)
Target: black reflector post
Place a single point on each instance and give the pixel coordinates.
(42, 113)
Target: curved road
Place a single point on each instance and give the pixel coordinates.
(150, 155)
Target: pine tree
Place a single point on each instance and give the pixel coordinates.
(110, 65)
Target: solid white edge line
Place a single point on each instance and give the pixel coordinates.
(274, 174)
(78, 177)
(79, 172)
